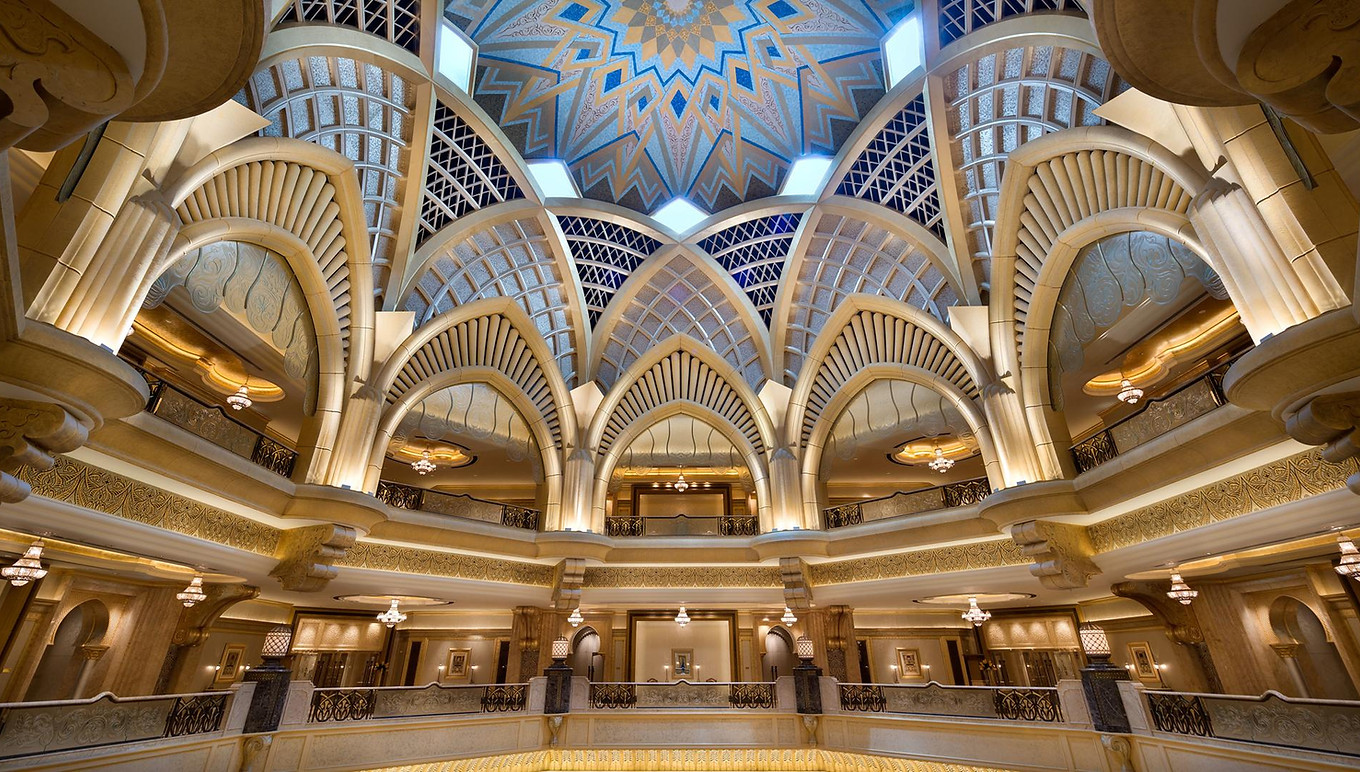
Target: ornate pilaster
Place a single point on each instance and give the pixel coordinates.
(306, 556)
(30, 433)
(1062, 553)
(525, 638)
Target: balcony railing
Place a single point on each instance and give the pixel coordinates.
(947, 496)
(682, 525)
(214, 425)
(748, 695)
(410, 701)
(1329, 726)
(31, 728)
(1157, 417)
(419, 499)
(1005, 703)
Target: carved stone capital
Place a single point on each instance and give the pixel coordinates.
(1285, 650)
(307, 556)
(1061, 551)
(30, 432)
(93, 651)
(1333, 421)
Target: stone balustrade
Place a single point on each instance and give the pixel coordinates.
(1329, 726)
(1007, 703)
(400, 496)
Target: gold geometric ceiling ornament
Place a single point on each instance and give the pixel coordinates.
(1156, 357)
(174, 340)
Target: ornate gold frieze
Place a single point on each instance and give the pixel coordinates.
(940, 560)
(1279, 482)
(682, 576)
(87, 486)
(696, 759)
(409, 560)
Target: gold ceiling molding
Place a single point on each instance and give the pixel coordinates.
(696, 759)
(685, 576)
(1279, 482)
(410, 560)
(940, 560)
(90, 487)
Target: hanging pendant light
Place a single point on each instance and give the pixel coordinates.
(392, 616)
(1350, 557)
(193, 593)
(576, 619)
(1180, 591)
(788, 618)
(27, 568)
(940, 463)
(1128, 392)
(682, 618)
(974, 614)
(423, 465)
(241, 399)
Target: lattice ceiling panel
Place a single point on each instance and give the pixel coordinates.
(605, 255)
(463, 174)
(1004, 100)
(847, 257)
(960, 17)
(754, 252)
(681, 298)
(357, 110)
(895, 170)
(508, 260)
(396, 20)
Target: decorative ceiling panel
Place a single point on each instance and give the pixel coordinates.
(960, 17)
(846, 257)
(358, 110)
(1003, 100)
(681, 299)
(605, 254)
(463, 174)
(508, 260)
(896, 170)
(754, 252)
(395, 20)
(650, 99)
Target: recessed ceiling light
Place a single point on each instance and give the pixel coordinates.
(806, 176)
(453, 56)
(904, 49)
(553, 178)
(679, 215)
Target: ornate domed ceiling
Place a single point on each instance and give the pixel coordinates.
(647, 100)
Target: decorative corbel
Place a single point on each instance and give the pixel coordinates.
(567, 581)
(30, 433)
(1332, 421)
(797, 589)
(1181, 625)
(307, 556)
(1062, 553)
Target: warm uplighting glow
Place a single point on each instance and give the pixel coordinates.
(940, 463)
(788, 618)
(392, 616)
(575, 619)
(423, 465)
(682, 618)
(27, 568)
(240, 400)
(1180, 591)
(974, 614)
(1350, 557)
(1128, 392)
(193, 593)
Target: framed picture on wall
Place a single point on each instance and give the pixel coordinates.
(457, 666)
(682, 663)
(909, 663)
(1144, 666)
(233, 660)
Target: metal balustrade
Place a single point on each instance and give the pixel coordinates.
(32, 728)
(1006, 703)
(682, 525)
(343, 704)
(956, 494)
(419, 499)
(1329, 726)
(741, 695)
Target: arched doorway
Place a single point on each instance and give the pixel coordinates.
(64, 669)
(1313, 659)
(586, 660)
(778, 659)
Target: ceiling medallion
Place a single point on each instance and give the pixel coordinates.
(939, 453)
(425, 456)
(27, 568)
(392, 616)
(1180, 591)
(193, 593)
(974, 614)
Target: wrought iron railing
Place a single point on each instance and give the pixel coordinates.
(737, 695)
(213, 424)
(1328, 726)
(682, 525)
(419, 499)
(1037, 704)
(1157, 416)
(329, 705)
(31, 728)
(956, 494)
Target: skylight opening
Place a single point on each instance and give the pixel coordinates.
(679, 215)
(904, 49)
(806, 176)
(553, 178)
(453, 56)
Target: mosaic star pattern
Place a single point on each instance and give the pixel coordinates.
(650, 99)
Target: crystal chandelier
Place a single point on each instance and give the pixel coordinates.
(240, 400)
(392, 616)
(423, 465)
(788, 618)
(940, 463)
(576, 619)
(680, 484)
(682, 618)
(1350, 557)
(193, 593)
(974, 614)
(1180, 591)
(27, 568)
(1129, 393)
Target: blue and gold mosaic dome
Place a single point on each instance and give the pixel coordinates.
(646, 100)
